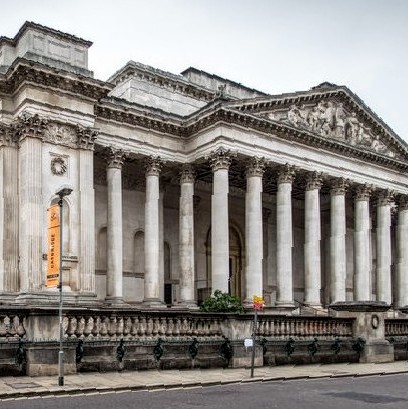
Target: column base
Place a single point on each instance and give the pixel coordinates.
(153, 303)
(377, 352)
(114, 301)
(188, 304)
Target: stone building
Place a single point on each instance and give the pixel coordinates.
(184, 184)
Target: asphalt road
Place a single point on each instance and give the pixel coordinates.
(372, 392)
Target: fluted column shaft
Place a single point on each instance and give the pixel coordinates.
(284, 238)
(338, 241)
(401, 296)
(312, 240)
(220, 162)
(186, 245)
(31, 215)
(384, 248)
(114, 291)
(152, 233)
(362, 262)
(87, 225)
(253, 230)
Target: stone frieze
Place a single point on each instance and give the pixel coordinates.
(330, 119)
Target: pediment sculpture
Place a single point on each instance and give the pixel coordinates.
(330, 119)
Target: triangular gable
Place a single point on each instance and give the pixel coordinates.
(331, 112)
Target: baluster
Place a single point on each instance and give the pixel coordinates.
(80, 327)
(134, 324)
(142, 327)
(149, 327)
(104, 326)
(72, 325)
(119, 327)
(88, 327)
(20, 326)
(162, 326)
(96, 326)
(127, 327)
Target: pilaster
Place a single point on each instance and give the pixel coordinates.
(86, 140)
(30, 131)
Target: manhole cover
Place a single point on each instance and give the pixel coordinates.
(23, 385)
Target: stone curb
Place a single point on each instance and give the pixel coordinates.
(72, 391)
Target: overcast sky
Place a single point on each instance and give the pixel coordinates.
(272, 45)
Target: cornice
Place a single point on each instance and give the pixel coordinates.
(229, 116)
(23, 71)
(38, 27)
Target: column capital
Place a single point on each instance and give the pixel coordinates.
(86, 137)
(363, 192)
(220, 159)
(153, 165)
(255, 167)
(339, 186)
(187, 174)
(30, 125)
(384, 197)
(402, 201)
(314, 180)
(115, 157)
(286, 173)
(7, 135)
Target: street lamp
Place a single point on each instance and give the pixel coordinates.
(64, 191)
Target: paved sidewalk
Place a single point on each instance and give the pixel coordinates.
(25, 386)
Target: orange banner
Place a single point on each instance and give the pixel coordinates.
(53, 254)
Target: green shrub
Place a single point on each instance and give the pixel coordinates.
(221, 302)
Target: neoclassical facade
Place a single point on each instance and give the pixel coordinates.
(184, 184)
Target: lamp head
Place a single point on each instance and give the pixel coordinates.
(64, 191)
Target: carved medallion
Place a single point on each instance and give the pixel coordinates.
(58, 166)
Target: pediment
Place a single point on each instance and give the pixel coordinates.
(338, 119)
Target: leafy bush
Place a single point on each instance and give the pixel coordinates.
(221, 302)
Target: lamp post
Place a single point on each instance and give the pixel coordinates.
(64, 191)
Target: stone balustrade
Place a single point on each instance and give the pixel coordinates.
(396, 328)
(304, 327)
(116, 326)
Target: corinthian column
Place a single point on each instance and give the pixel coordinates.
(384, 247)
(86, 194)
(253, 229)
(312, 240)
(401, 296)
(220, 162)
(114, 291)
(338, 241)
(31, 204)
(362, 262)
(152, 233)
(284, 237)
(10, 212)
(186, 245)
